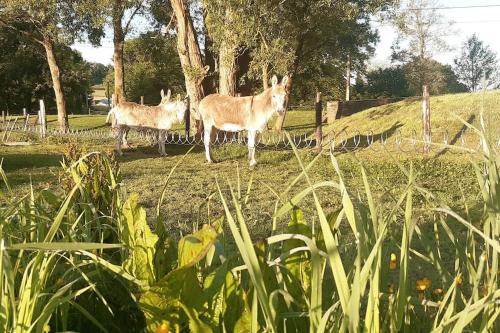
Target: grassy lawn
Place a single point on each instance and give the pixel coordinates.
(192, 193)
(406, 116)
(191, 190)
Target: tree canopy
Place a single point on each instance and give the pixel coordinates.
(475, 63)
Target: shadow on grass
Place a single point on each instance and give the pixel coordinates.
(457, 136)
(359, 142)
(14, 162)
(142, 152)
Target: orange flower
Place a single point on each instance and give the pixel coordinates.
(163, 328)
(438, 291)
(458, 280)
(423, 284)
(393, 263)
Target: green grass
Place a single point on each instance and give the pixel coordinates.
(406, 116)
(144, 170)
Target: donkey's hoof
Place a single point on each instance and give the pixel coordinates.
(253, 163)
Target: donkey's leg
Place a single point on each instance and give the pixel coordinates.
(124, 139)
(161, 142)
(251, 147)
(119, 139)
(206, 141)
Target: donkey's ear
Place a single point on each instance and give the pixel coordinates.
(284, 82)
(162, 93)
(274, 80)
(178, 97)
(168, 94)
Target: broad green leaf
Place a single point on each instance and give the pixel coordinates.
(192, 248)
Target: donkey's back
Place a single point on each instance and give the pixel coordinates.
(226, 111)
(136, 115)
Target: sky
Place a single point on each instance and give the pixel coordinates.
(485, 22)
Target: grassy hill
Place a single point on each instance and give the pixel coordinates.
(406, 116)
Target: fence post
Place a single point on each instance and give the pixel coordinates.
(24, 112)
(319, 122)
(41, 119)
(426, 119)
(142, 100)
(26, 121)
(187, 116)
(4, 117)
(87, 103)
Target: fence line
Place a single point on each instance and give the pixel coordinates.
(464, 141)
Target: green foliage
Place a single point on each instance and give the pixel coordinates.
(26, 79)
(309, 40)
(88, 246)
(151, 64)
(475, 63)
(403, 81)
(98, 73)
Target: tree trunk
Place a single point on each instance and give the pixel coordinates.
(209, 83)
(265, 77)
(118, 43)
(348, 80)
(62, 117)
(227, 60)
(227, 69)
(190, 57)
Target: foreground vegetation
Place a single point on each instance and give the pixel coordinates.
(83, 257)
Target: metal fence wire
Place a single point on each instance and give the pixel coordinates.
(463, 141)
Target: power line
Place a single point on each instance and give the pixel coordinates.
(453, 7)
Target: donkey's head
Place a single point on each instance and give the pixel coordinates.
(177, 107)
(279, 94)
(180, 107)
(165, 99)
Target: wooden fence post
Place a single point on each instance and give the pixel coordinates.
(24, 112)
(142, 100)
(187, 119)
(26, 121)
(87, 103)
(42, 120)
(426, 119)
(319, 122)
(4, 117)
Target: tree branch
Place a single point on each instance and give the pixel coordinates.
(136, 10)
(8, 25)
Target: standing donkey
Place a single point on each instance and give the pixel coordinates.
(234, 114)
(162, 117)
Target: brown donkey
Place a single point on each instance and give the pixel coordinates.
(234, 114)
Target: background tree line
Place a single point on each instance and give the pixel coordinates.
(228, 46)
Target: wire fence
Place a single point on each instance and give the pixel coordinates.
(462, 141)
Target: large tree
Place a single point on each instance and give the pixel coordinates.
(190, 55)
(122, 15)
(291, 37)
(475, 63)
(48, 23)
(152, 64)
(423, 30)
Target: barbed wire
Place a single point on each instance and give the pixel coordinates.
(463, 141)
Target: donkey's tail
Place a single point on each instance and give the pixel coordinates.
(111, 116)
